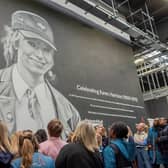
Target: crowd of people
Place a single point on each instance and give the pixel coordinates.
(89, 146)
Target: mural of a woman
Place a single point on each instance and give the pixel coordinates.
(27, 99)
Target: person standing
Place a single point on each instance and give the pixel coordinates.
(83, 151)
(120, 152)
(29, 155)
(162, 141)
(5, 147)
(140, 138)
(153, 150)
(54, 144)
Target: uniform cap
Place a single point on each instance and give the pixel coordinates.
(32, 25)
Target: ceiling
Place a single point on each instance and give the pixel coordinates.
(157, 8)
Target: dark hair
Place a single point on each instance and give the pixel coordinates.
(55, 128)
(41, 135)
(119, 129)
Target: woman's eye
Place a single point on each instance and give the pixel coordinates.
(32, 44)
(48, 50)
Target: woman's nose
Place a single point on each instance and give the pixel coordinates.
(39, 53)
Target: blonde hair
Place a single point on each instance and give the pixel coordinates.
(27, 146)
(9, 41)
(15, 143)
(4, 138)
(85, 134)
(69, 138)
(99, 139)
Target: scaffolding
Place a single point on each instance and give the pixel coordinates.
(153, 77)
(152, 71)
(136, 22)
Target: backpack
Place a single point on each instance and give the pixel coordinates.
(121, 160)
(5, 159)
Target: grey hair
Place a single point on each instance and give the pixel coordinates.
(8, 41)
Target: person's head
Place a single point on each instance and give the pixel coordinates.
(15, 143)
(141, 127)
(162, 121)
(4, 139)
(100, 129)
(27, 146)
(29, 42)
(86, 135)
(55, 128)
(156, 122)
(41, 135)
(118, 130)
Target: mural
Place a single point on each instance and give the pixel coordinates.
(55, 66)
(27, 99)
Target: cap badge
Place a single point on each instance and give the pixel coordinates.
(20, 19)
(41, 26)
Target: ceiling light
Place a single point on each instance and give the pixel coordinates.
(139, 61)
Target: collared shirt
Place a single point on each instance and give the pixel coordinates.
(52, 146)
(140, 138)
(23, 118)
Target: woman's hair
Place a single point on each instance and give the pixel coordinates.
(119, 129)
(99, 139)
(27, 146)
(69, 138)
(85, 134)
(41, 135)
(15, 143)
(55, 128)
(9, 42)
(101, 130)
(4, 138)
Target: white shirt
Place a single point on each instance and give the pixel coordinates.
(23, 118)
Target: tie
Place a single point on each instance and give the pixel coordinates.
(34, 107)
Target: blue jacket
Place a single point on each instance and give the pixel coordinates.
(127, 149)
(39, 161)
(154, 153)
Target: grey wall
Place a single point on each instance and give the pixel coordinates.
(157, 108)
(163, 31)
(91, 59)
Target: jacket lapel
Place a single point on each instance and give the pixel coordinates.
(7, 98)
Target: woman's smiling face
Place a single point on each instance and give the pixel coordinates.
(35, 55)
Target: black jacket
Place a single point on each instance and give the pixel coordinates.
(163, 141)
(77, 156)
(5, 159)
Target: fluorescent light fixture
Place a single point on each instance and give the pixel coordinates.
(90, 2)
(156, 60)
(107, 12)
(151, 54)
(139, 61)
(164, 56)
